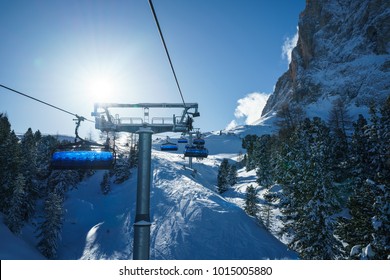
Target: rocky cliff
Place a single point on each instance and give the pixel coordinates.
(343, 50)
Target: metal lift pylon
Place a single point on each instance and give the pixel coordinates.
(104, 121)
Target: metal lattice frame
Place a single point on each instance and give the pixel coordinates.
(105, 121)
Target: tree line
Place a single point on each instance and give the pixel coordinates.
(334, 178)
(31, 190)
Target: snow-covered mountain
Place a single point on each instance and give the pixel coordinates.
(190, 220)
(343, 50)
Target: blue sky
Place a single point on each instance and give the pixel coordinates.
(74, 53)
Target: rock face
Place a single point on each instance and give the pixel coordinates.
(343, 50)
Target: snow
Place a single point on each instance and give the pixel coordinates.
(15, 248)
(190, 220)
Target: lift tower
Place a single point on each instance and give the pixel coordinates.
(145, 127)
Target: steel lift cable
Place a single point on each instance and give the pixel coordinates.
(166, 50)
(45, 103)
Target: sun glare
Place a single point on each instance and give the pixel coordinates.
(100, 87)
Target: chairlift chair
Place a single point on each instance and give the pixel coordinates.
(198, 142)
(198, 152)
(182, 140)
(168, 147)
(82, 154)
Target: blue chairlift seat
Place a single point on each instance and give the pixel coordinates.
(168, 147)
(194, 151)
(70, 160)
(182, 140)
(198, 142)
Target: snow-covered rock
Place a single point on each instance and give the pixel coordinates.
(343, 50)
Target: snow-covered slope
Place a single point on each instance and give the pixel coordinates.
(15, 248)
(190, 220)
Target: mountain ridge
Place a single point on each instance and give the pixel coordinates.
(342, 50)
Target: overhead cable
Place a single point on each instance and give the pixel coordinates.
(43, 102)
(166, 51)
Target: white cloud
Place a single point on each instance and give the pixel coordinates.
(250, 108)
(288, 46)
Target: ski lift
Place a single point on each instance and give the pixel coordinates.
(198, 152)
(70, 160)
(168, 147)
(199, 142)
(182, 140)
(82, 154)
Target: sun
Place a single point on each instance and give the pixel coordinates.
(100, 88)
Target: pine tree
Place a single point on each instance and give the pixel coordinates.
(50, 228)
(61, 181)
(5, 182)
(222, 182)
(10, 158)
(232, 175)
(15, 214)
(248, 143)
(121, 169)
(339, 123)
(339, 118)
(263, 151)
(381, 207)
(368, 203)
(309, 198)
(105, 185)
(266, 213)
(288, 118)
(45, 146)
(251, 200)
(29, 170)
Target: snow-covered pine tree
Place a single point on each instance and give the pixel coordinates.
(288, 118)
(29, 170)
(262, 153)
(266, 213)
(121, 169)
(45, 146)
(10, 161)
(376, 158)
(385, 136)
(369, 224)
(232, 175)
(362, 198)
(381, 207)
(339, 117)
(50, 228)
(248, 143)
(290, 172)
(339, 123)
(62, 180)
(105, 185)
(251, 201)
(5, 155)
(314, 237)
(14, 218)
(223, 171)
(133, 154)
(309, 199)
